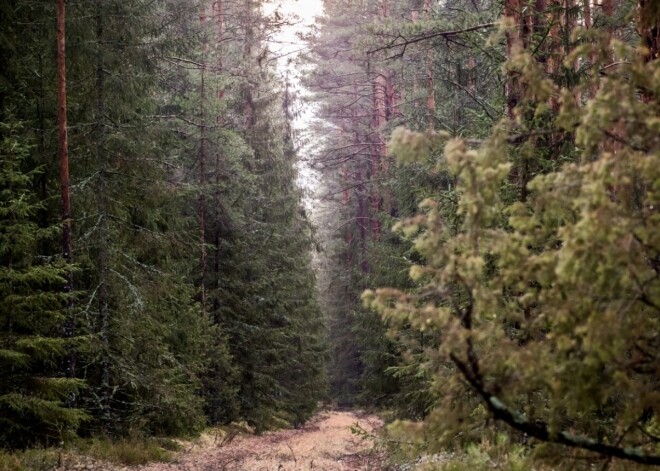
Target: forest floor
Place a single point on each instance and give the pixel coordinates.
(325, 443)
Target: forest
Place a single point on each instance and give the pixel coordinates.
(447, 216)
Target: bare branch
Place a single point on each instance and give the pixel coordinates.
(426, 36)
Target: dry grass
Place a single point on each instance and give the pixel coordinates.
(324, 444)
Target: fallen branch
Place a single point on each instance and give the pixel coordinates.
(295, 460)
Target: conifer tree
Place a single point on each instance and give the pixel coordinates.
(166, 349)
(276, 335)
(33, 391)
(132, 244)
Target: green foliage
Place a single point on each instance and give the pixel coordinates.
(274, 327)
(353, 54)
(32, 393)
(34, 459)
(133, 451)
(494, 452)
(547, 299)
(152, 354)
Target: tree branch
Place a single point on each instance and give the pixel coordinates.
(540, 430)
(425, 36)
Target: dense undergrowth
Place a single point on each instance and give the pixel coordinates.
(495, 450)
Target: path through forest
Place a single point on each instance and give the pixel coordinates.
(325, 443)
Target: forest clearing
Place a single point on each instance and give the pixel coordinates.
(222, 212)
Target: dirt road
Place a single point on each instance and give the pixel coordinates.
(323, 444)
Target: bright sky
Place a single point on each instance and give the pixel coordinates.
(305, 9)
(288, 44)
(302, 12)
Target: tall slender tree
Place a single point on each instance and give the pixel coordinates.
(63, 140)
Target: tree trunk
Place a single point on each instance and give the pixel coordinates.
(201, 209)
(378, 120)
(382, 106)
(217, 204)
(62, 128)
(513, 43)
(362, 213)
(248, 98)
(220, 29)
(430, 79)
(385, 9)
(102, 203)
(648, 25)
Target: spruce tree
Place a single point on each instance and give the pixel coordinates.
(33, 391)
(172, 341)
(132, 242)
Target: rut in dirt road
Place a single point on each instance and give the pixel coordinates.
(325, 443)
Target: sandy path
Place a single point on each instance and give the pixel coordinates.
(324, 444)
